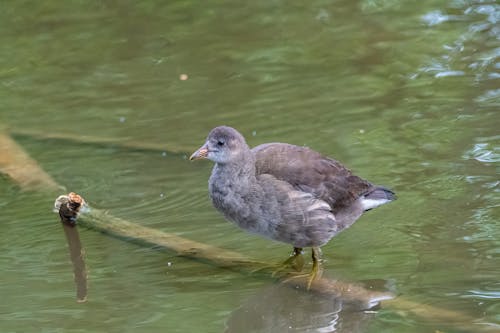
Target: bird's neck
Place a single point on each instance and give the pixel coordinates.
(234, 176)
(231, 185)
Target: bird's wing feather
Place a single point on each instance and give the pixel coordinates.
(304, 220)
(309, 171)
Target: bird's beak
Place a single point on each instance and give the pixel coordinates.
(202, 152)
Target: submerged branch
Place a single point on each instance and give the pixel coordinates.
(349, 292)
(95, 140)
(21, 168)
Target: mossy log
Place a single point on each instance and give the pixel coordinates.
(21, 168)
(352, 293)
(124, 142)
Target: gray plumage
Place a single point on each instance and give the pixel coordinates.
(284, 192)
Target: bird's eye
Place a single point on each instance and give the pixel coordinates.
(220, 143)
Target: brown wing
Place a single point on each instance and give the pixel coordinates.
(309, 171)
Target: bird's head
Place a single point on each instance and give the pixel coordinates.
(224, 145)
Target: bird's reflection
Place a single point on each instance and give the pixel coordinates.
(284, 309)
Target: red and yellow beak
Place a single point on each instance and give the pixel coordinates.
(202, 152)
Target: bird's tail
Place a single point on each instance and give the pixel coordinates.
(378, 196)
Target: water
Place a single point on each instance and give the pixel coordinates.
(405, 94)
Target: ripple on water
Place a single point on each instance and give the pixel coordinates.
(486, 294)
(484, 152)
(490, 97)
(436, 17)
(477, 59)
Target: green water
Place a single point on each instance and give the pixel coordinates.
(406, 94)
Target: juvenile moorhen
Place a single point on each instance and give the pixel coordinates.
(285, 192)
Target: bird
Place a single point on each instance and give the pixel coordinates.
(284, 192)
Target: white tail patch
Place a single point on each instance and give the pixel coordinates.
(373, 203)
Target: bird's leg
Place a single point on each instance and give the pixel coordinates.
(317, 270)
(296, 261)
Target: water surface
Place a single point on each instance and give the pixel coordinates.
(404, 93)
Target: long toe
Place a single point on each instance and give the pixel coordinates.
(316, 273)
(294, 263)
(296, 260)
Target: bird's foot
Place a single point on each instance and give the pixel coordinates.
(316, 271)
(294, 263)
(315, 274)
(296, 260)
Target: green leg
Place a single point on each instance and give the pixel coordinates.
(296, 261)
(317, 270)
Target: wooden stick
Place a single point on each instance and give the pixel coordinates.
(23, 170)
(26, 172)
(348, 292)
(441, 316)
(120, 142)
(351, 293)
